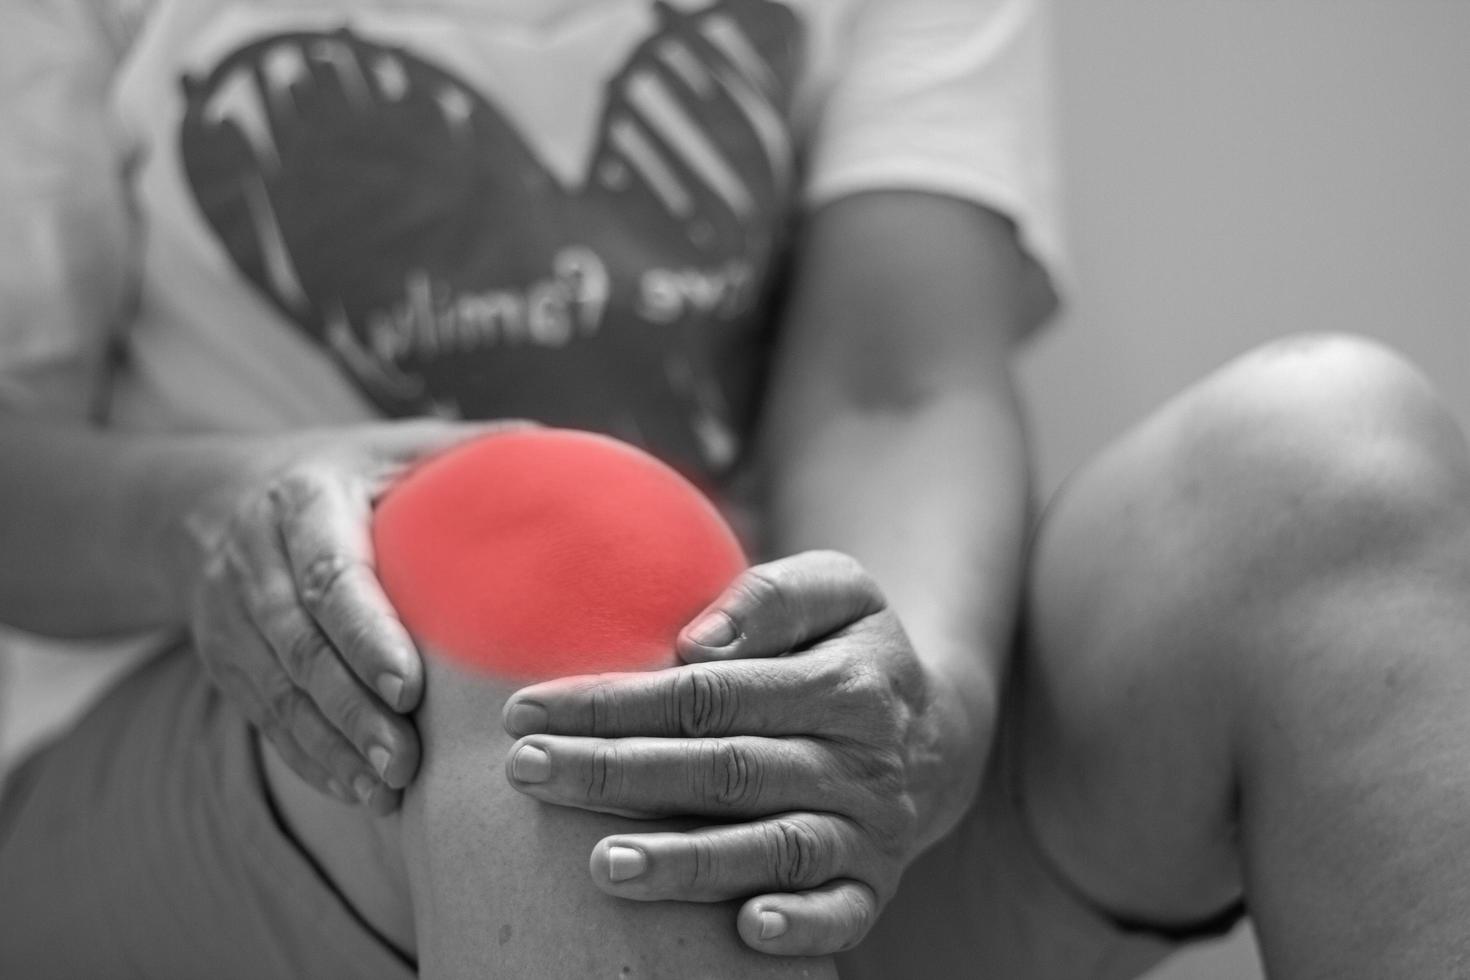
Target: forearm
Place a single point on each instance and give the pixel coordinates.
(93, 524)
(893, 433)
(932, 500)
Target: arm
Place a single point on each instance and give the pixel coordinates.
(97, 516)
(893, 434)
(257, 546)
(68, 504)
(254, 544)
(851, 750)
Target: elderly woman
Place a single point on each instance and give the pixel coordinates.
(252, 232)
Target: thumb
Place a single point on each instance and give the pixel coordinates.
(781, 606)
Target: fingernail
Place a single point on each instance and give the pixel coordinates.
(363, 786)
(390, 686)
(380, 757)
(773, 924)
(527, 718)
(625, 862)
(531, 765)
(714, 630)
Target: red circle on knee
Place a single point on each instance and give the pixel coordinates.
(540, 553)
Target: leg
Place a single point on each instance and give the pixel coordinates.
(1245, 670)
(983, 903)
(487, 879)
(142, 843)
(1249, 662)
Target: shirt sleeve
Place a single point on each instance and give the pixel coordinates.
(65, 231)
(946, 96)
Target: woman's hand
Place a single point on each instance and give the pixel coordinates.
(288, 616)
(804, 720)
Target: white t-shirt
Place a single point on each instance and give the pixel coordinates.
(265, 214)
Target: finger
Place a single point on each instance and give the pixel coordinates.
(323, 526)
(387, 741)
(289, 710)
(819, 922)
(226, 641)
(725, 777)
(790, 696)
(791, 852)
(304, 766)
(245, 577)
(323, 743)
(234, 655)
(781, 606)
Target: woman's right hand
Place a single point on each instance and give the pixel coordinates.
(287, 614)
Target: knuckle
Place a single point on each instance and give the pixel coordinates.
(865, 585)
(605, 776)
(321, 576)
(906, 819)
(287, 706)
(882, 773)
(349, 712)
(363, 641)
(704, 703)
(731, 776)
(893, 826)
(218, 564)
(865, 690)
(602, 705)
(856, 575)
(758, 588)
(800, 855)
(231, 565)
(301, 652)
(854, 580)
(891, 727)
(843, 564)
(704, 863)
(294, 490)
(247, 517)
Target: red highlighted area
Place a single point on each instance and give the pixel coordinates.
(541, 553)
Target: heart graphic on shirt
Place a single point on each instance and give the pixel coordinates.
(403, 222)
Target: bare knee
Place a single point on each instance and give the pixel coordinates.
(499, 878)
(1337, 493)
(1315, 454)
(1306, 459)
(1305, 477)
(1167, 574)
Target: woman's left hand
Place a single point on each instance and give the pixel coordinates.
(803, 720)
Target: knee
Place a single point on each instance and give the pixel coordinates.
(1324, 450)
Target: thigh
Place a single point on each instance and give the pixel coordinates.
(985, 903)
(142, 844)
(478, 880)
(1246, 669)
(1126, 751)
